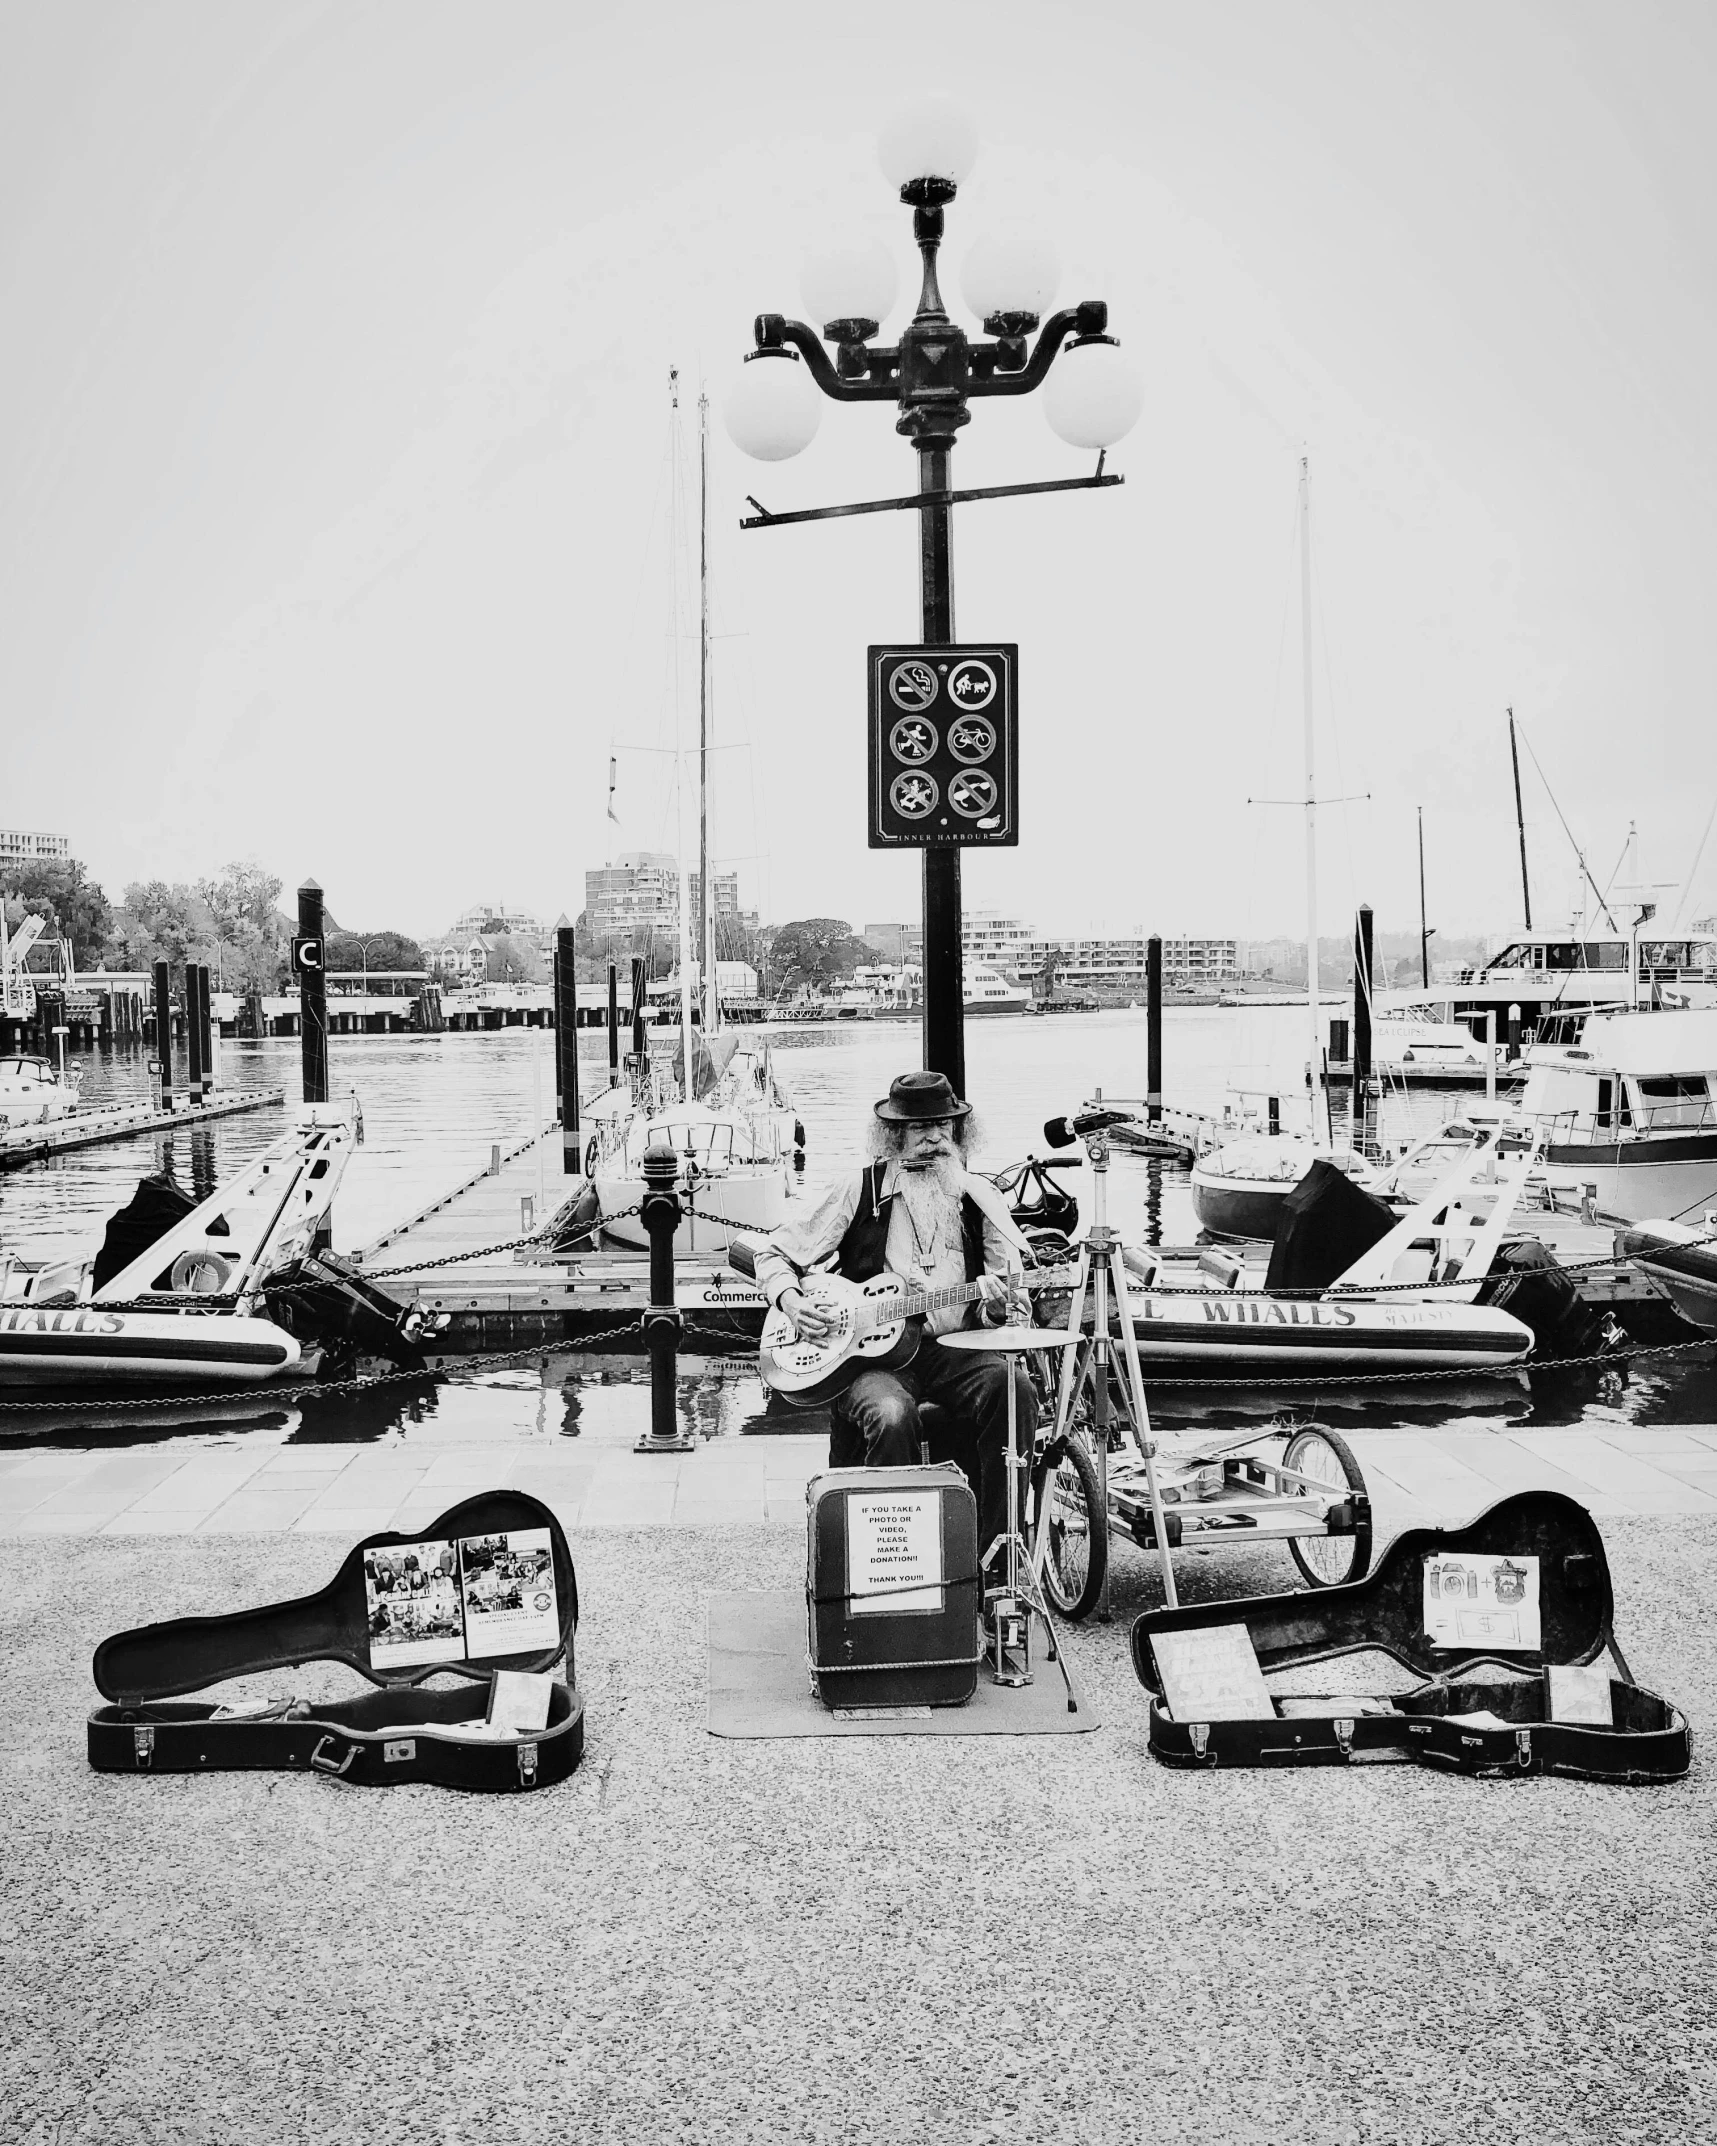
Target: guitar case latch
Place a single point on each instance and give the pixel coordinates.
(527, 1765)
(1523, 1748)
(1199, 1732)
(1344, 1737)
(143, 1744)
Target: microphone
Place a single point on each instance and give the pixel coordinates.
(1062, 1132)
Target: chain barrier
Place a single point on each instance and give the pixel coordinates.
(264, 1394)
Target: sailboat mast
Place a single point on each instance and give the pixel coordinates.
(687, 1080)
(1424, 933)
(1313, 1056)
(1520, 822)
(706, 902)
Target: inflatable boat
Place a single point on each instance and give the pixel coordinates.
(1681, 1261)
(175, 1293)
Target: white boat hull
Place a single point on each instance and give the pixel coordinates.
(1243, 1335)
(94, 1345)
(748, 1200)
(1640, 1185)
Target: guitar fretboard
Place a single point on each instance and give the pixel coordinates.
(917, 1302)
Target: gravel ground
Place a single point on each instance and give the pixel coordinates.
(1051, 1939)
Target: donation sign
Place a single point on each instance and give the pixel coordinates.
(894, 1552)
(466, 1600)
(1477, 1603)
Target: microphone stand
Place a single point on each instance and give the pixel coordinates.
(1100, 1262)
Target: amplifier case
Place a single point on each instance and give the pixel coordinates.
(863, 1654)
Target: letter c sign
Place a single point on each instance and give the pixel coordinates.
(306, 954)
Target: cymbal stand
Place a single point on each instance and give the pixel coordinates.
(1101, 1267)
(1008, 1607)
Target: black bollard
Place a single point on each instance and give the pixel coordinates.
(660, 1214)
(566, 1045)
(195, 1075)
(1513, 1033)
(613, 1025)
(164, 1031)
(312, 993)
(1154, 1029)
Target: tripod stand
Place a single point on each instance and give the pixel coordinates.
(1101, 1266)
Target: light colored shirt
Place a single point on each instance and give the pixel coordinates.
(812, 1238)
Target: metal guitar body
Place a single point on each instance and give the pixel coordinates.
(806, 1372)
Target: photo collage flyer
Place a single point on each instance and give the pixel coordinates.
(472, 1599)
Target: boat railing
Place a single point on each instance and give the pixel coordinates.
(1637, 1122)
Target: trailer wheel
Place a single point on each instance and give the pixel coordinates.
(1330, 1560)
(1071, 1527)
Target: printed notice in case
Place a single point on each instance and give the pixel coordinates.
(894, 1551)
(1210, 1673)
(1476, 1603)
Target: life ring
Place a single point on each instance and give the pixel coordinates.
(203, 1274)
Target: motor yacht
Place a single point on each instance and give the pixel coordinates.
(33, 1091)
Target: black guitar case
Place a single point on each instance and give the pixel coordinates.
(1647, 1739)
(487, 1586)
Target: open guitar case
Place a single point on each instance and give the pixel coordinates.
(1646, 1739)
(400, 1731)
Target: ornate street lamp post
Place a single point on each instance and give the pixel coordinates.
(932, 375)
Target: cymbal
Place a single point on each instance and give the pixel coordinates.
(1010, 1340)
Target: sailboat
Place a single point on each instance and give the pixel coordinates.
(722, 1107)
(1238, 1188)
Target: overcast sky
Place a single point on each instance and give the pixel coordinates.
(333, 424)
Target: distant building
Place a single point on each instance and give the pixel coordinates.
(998, 942)
(640, 891)
(895, 943)
(17, 847)
(1126, 960)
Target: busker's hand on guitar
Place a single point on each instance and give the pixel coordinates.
(808, 1316)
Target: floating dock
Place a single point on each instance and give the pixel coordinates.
(509, 1296)
(92, 1128)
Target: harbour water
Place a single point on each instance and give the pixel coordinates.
(433, 1106)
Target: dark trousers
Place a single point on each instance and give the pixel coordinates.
(876, 1424)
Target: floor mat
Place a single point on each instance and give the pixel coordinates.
(759, 1685)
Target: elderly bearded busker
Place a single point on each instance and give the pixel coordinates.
(917, 1213)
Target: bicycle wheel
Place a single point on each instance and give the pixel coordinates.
(1071, 1526)
(1329, 1560)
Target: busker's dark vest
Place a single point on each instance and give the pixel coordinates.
(864, 1249)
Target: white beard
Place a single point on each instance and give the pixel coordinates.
(932, 1199)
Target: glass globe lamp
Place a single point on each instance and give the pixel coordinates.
(1093, 396)
(773, 409)
(850, 290)
(928, 147)
(1010, 279)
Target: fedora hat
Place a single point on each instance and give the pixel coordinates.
(919, 1099)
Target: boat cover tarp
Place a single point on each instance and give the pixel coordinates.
(158, 1204)
(710, 1060)
(1326, 1223)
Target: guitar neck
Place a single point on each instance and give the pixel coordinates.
(916, 1302)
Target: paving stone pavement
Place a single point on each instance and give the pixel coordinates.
(250, 1487)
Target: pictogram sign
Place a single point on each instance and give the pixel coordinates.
(944, 746)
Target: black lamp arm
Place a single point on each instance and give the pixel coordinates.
(774, 329)
(1089, 318)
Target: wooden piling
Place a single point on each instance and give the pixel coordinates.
(1154, 1029)
(196, 1066)
(566, 1044)
(613, 1025)
(312, 993)
(1360, 1129)
(164, 1031)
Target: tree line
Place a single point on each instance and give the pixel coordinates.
(230, 921)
